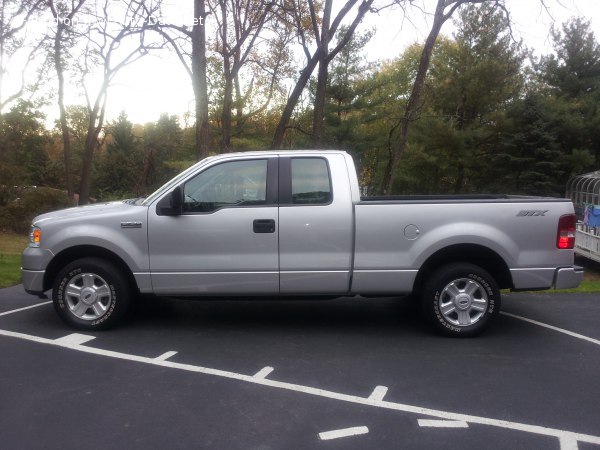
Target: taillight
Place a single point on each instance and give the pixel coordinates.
(565, 238)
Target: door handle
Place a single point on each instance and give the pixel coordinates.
(264, 226)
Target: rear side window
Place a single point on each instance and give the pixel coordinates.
(310, 181)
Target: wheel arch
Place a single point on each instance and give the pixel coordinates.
(478, 255)
(85, 251)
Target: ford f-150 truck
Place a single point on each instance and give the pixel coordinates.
(294, 224)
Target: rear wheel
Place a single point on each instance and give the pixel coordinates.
(461, 299)
(91, 294)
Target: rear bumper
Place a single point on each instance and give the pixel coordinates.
(529, 279)
(568, 277)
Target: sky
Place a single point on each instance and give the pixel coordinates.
(159, 84)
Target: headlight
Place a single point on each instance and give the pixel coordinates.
(35, 236)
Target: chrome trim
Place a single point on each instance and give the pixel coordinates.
(131, 224)
(212, 273)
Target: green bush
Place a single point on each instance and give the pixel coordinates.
(19, 205)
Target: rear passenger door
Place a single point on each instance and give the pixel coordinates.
(315, 225)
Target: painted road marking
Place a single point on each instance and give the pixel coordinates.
(74, 339)
(378, 393)
(560, 330)
(264, 372)
(336, 434)
(24, 309)
(443, 423)
(165, 356)
(565, 437)
(568, 444)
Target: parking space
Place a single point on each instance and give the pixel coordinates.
(348, 373)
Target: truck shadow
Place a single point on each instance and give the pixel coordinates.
(345, 313)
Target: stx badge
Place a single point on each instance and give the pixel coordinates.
(532, 213)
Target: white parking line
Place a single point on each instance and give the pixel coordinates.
(378, 393)
(23, 309)
(336, 434)
(566, 438)
(74, 339)
(264, 372)
(560, 330)
(443, 423)
(568, 444)
(165, 356)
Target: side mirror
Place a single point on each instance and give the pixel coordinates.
(172, 204)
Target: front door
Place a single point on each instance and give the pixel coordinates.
(226, 239)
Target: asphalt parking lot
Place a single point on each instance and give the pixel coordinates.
(347, 373)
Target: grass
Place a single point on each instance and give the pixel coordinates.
(586, 287)
(11, 247)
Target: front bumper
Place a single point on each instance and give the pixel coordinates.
(33, 281)
(33, 268)
(568, 277)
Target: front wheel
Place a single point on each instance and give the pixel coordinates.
(91, 294)
(461, 299)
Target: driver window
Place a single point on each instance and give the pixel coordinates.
(235, 183)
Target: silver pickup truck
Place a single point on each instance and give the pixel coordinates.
(293, 224)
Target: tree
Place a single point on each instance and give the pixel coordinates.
(530, 157)
(64, 39)
(195, 64)
(346, 115)
(107, 50)
(120, 166)
(14, 16)
(323, 29)
(239, 28)
(347, 70)
(571, 77)
(160, 139)
(575, 68)
(23, 145)
(399, 133)
(471, 82)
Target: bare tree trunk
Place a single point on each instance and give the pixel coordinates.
(228, 88)
(199, 80)
(239, 105)
(60, 68)
(227, 107)
(96, 121)
(91, 141)
(318, 128)
(286, 115)
(63, 114)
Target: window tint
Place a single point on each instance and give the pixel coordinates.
(310, 181)
(235, 183)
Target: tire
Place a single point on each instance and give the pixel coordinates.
(91, 294)
(461, 300)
